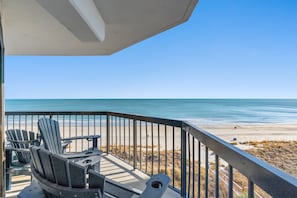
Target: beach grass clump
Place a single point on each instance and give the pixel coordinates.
(281, 154)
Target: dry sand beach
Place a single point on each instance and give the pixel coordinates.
(253, 132)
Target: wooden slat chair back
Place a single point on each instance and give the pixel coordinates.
(20, 140)
(50, 134)
(59, 177)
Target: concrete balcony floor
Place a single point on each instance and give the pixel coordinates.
(110, 166)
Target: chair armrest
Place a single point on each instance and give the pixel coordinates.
(17, 149)
(85, 154)
(64, 144)
(156, 186)
(116, 189)
(94, 138)
(87, 137)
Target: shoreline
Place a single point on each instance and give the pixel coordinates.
(230, 132)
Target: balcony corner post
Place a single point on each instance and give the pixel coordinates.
(183, 161)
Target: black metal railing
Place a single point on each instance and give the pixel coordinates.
(198, 163)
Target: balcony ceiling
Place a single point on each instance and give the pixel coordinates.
(56, 27)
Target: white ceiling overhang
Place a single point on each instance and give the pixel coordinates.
(86, 27)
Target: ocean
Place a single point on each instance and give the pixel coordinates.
(198, 111)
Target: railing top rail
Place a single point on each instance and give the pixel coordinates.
(176, 123)
(272, 180)
(56, 113)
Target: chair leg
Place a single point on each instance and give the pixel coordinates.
(8, 154)
(95, 142)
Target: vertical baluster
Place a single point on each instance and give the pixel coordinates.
(159, 153)
(189, 164)
(146, 147)
(230, 189)
(217, 177)
(110, 133)
(20, 122)
(183, 162)
(69, 131)
(120, 135)
(94, 125)
(32, 123)
(140, 147)
(82, 131)
(100, 130)
(129, 123)
(76, 132)
(88, 129)
(63, 126)
(111, 127)
(125, 137)
(88, 124)
(166, 158)
(26, 120)
(107, 133)
(13, 121)
(173, 156)
(206, 172)
(193, 165)
(116, 133)
(134, 143)
(199, 169)
(250, 189)
(152, 131)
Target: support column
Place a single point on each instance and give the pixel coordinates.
(2, 148)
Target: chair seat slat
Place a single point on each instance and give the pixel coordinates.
(77, 175)
(60, 169)
(47, 164)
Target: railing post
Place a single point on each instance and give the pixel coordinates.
(134, 144)
(250, 189)
(183, 162)
(107, 133)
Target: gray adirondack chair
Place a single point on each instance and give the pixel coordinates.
(58, 177)
(50, 134)
(19, 141)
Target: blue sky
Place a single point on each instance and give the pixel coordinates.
(228, 49)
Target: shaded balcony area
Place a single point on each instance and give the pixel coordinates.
(136, 147)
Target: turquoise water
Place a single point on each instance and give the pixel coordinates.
(195, 110)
